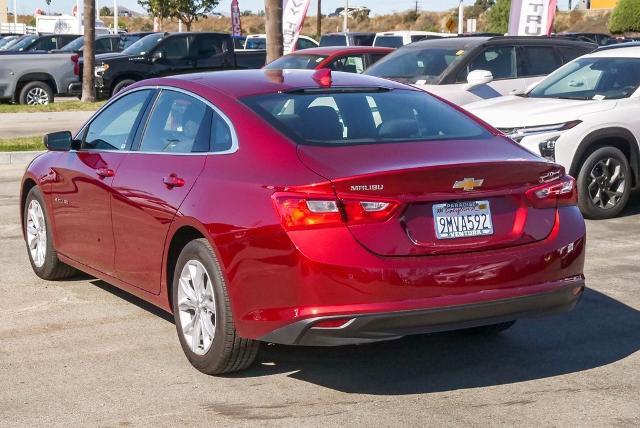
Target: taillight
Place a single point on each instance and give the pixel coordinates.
(76, 67)
(313, 212)
(558, 193)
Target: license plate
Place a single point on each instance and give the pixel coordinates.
(462, 219)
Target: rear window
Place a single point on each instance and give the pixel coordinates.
(337, 40)
(256, 43)
(388, 41)
(363, 116)
(296, 62)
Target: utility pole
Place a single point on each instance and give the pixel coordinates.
(115, 16)
(345, 22)
(275, 42)
(89, 59)
(461, 18)
(319, 21)
(416, 7)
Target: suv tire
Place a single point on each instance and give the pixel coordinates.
(36, 93)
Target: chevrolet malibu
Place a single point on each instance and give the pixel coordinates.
(304, 208)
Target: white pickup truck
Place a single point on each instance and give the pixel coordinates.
(36, 78)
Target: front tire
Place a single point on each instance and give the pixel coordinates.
(604, 184)
(36, 93)
(202, 314)
(120, 85)
(37, 230)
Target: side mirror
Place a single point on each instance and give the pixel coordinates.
(477, 78)
(58, 141)
(157, 56)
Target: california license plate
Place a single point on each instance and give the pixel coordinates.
(462, 219)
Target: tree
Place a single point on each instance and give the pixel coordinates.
(190, 11)
(89, 59)
(275, 42)
(105, 11)
(498, 17)
(160, 9)
(625, 17)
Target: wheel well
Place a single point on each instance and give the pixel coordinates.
(26, 187)
(40, 77)
(180, 239)
(619, 142)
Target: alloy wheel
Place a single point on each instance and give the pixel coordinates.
(607, 183)
(197, 307)
(37, 96)
(36, 233)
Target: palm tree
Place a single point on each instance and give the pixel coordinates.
(275, 43)
(88, 56)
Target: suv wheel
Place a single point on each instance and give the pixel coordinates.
(36, 93)
(121, 85)
(604, 184)
(202, 313)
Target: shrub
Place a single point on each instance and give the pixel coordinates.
(625, 17)
(498, 17)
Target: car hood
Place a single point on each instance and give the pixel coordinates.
(514, 111)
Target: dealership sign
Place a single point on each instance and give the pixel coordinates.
(236, 28)
(292, 19)
(531, 17)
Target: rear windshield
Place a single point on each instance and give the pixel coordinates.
(337, 40)
(345, 116)
(415, 65)
(256, 43)
(296, 61)
(388, 41)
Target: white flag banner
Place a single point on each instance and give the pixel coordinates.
(532, 17)
(292, 19)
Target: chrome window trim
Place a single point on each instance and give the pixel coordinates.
(234, 136)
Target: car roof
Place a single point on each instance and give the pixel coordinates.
(339, 50)
(242, 83)
(472, 41)
(622, 50)
(407, 33)
(355, 33)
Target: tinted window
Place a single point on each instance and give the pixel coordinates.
(333, 40)
(362, 39)
(176, 48)
(112, 129)
(418, 38)
(176, 125)
(500, 61)
(539, 61)
(144, 45)
(209, 45)
(296, 61)
(348, 64)
(414, 65)
(256, 43)
(44, 44)
(75, 45)
(103, 45)
(570, 53)
(23, 43)
(364, 117)
(221, 139)
(388, 41)
(125, 41)
(305, 44)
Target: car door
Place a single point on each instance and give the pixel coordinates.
(212, 52)
(81, 188)
(153, 181)
(174, 55)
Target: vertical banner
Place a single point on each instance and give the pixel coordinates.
(532, 17)
(236, 27)
(292, 19)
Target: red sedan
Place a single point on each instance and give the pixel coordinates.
(305, 208)
(350, 59)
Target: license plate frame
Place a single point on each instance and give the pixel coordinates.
(462, 219)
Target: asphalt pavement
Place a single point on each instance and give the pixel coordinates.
(81, 352)
(27, 124)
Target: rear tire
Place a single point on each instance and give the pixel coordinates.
(120, 85)
(37, 230)
(36, 93)
(598, 182)
(200, 298)
(489, 330)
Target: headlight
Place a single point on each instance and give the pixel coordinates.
(517, 134)
(100, 69)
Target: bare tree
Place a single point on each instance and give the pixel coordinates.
(88, 56)
(275, 42)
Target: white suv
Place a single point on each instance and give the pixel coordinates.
(586, 117)
(396, 39)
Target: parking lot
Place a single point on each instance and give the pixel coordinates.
(83, 352)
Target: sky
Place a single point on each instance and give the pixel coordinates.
(328, 6)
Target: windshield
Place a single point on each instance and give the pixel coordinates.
(75, 45)
(335, 40)
(388, 41)
(7, 41)
(256, 43)
(296, 62)
(144, 45)
(22, 43)
(592, 79)
(363, 116)
(415, 65)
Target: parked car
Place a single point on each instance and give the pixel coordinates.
(238, 42)
(259, 41)
(7, 40)
(347, 39)
(165, 54)
(36, 43)
(267, 206)
(35, 78)
(468, 69)
(598, 38)
(105, 44)
(396, 39)
(585, 117)
(353, 59)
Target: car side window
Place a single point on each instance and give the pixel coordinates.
(113, 129)
(177, 124)
(539, 61)
(103, 45)
(348, 64)
(499, 60)
(375, 58)
(45, 44)
(570, 53)
(207, 46)
(221, 139)
(304, 44)
(176, 48)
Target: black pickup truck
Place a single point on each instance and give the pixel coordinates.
(166, 54)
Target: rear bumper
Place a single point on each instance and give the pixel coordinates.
(364, 328)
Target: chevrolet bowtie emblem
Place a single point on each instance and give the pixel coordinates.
(468, 184)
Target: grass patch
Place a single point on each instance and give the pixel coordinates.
(62, 106)
(21, 144)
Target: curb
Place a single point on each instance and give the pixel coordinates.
(7, 158)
